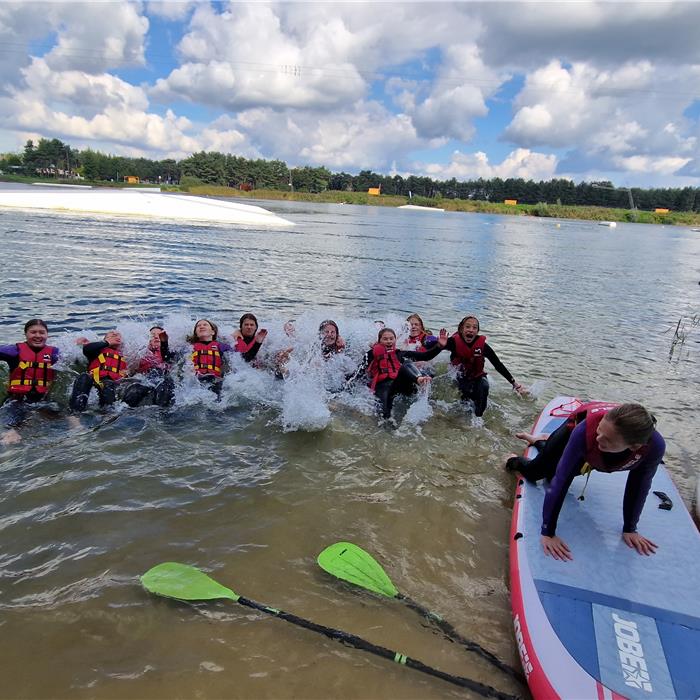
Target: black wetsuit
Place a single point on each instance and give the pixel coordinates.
(154, 383)
(85, 382)
(405, 381)
(477, 389)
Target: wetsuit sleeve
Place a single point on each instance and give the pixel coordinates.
(92, 350)
(639, 483)
(422, 354)
(225, 347)
(165, 351)
(491, 356)
(430, 342)
(569, 466)
(9, 354)
(250, 354)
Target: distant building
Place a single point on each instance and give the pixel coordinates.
(131, 179)
(510, 202)
(374, 191)
(661, 211)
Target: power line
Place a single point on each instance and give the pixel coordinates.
(301, 71)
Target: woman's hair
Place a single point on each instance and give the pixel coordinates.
(328, 322)
(383, 331)
(194, 339)
(633, 423)
(464, 320)
(245, 317)
(420, 320)
(152, 328)
(35, 322)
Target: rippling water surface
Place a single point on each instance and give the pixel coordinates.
(253, 488)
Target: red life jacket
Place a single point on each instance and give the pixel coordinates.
(469, 358)
(241, 345)
(417, 341)
(593, 412)
(206, 358)
(153, 359)
(109, 364)
(385, 365)
(34, 372)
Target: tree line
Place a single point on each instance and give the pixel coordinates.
(53, 158)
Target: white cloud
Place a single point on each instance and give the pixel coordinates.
(173, 10)
(86, 93)
(96, 36)
(366, 137)
(454, 101)
(648, 164)
(243, 58)
(521, 163)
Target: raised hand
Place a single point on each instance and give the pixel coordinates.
(442, 337)
(261, 335)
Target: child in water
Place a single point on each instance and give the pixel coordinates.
(248, 338)
(468, 350)
(155, 382)
(31, 374)
(207, 354)
(419, 338)
(331, 341)
(391, 373)
(106, 368)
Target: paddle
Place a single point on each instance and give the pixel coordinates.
(183, 582)
(351, 563)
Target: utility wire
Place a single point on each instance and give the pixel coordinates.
(304, 71)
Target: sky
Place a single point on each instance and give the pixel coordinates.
(574, 89)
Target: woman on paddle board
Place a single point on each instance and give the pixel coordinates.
(603, 437)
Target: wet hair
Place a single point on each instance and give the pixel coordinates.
(194, 339)
(633, 423)
(464, 320)
(35, 322)
(420, 320)
(246, 317)
(152, 328)
(328, 322)
(383, 331)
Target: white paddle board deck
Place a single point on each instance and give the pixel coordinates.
(611, 623)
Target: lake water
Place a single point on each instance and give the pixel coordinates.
(253, 488)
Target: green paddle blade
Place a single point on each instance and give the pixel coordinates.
(183, 582)
(349, 562)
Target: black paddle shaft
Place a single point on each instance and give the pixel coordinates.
(453, 635)
(358, 643)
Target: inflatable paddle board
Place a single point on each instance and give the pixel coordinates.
(612, 623)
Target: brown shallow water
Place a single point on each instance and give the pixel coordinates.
(252, 490)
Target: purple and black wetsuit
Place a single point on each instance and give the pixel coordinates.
(573, 459)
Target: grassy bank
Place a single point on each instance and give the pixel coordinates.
(557, 211)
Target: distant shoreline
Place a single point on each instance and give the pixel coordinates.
(540, 210)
